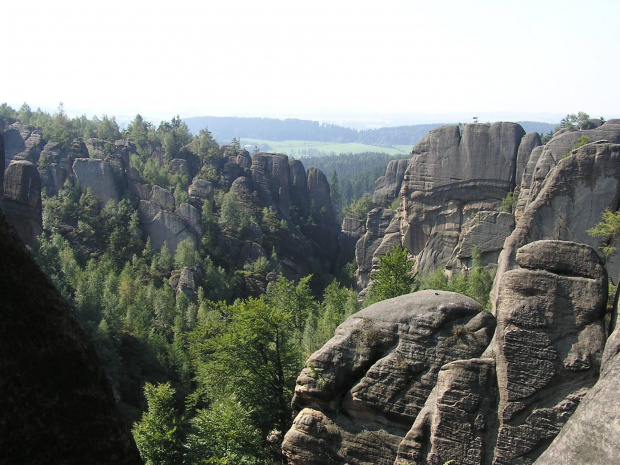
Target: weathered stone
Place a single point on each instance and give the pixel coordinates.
(351, 231)
(56, 402)
(319, 196)
(528, 144)
(549, 341)
(572, 200)
(179, 166)
(162, 197)
(270, 174)
(592, 434)
(298, 187)
(137, 188)
(22, 142)
(162, 225)
(201, 191)
(459, 424)
(486, 231)
(450, 177)
(387, 187)
(99, 176)
(370, 381)
(377, 221)
(22, 199)
(191, 215)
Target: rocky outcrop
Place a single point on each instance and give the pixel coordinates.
(403, 381)
(377, 222)
(99, 176)
(56, 402)
(387, 187)
(558, 148)
(22, 199)
(358, 395)
(165, 226)
(571, 200)
(549, 342)
(451, 177)
(22, 142)
(270, 173)
(201, 191)
(592, 434)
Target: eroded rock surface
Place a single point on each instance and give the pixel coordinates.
(451, 177)
(22, 199)
(359, 395)
(573, 198)
(549, 341)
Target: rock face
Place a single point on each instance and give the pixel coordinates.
(592, 433)
(570, 201)
(57, 405)
(22, 199)
(403, 381)
(360, 393)
(549, 341)
(451, 177)
(98, 175)
(387, 188)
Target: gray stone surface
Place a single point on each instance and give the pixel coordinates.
(451, 176)
(57, 404)
(387, 187)
(99, 176)
(571, 201)
(162, 225)
(22, 199)
(359, 394)
(549, 341)
(459, 421)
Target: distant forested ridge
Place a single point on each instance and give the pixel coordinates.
(224, 129)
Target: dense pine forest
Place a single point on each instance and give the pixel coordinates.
(203, 373)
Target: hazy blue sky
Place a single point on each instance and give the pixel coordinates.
(384, 60)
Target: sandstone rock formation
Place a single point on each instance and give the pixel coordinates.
(592, 434)
(570, 201)
(387, 187)
(403, 381)
(22, 199)
(99, 176)
(451, 177)
(549, 341)
(56, 402)
(360, 393)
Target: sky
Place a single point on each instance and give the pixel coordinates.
(383, 62)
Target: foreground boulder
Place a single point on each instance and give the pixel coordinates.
(56, 402)
(592, 433)
(359, 395)
(549, 343)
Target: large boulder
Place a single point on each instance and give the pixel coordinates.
(549, 343)
(359, 394)
(56, 402)
(22, 199)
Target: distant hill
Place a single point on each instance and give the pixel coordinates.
(226, 128)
